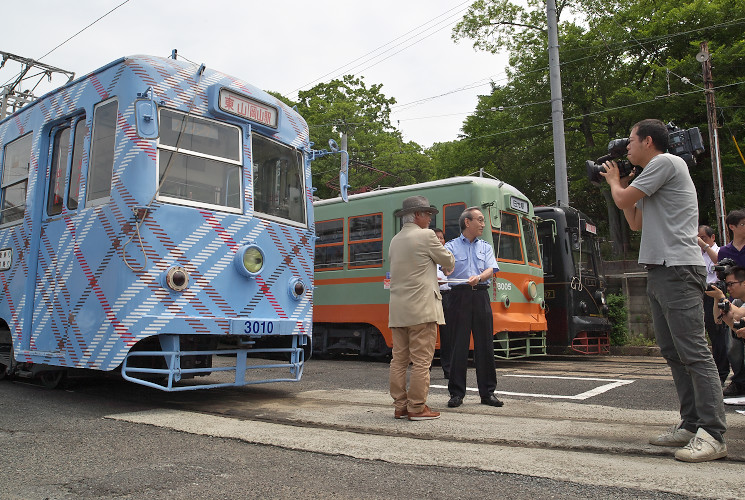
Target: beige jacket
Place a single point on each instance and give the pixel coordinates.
(415, 293)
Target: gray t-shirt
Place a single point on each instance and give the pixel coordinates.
(669, 213)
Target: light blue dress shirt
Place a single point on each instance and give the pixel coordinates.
(471, 258)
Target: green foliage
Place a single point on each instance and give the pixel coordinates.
(378, 156)
(617, 315)
(621, 62)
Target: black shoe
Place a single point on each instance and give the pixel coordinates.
(734, 389)
(491, 400)
(455, 401)
(446, 375)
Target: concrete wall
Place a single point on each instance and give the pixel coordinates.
(630, 279)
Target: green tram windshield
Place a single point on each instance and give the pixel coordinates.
(508, 240)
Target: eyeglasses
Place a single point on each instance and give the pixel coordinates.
(480, 219)
(730, 283)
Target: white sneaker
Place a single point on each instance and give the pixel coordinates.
(702, 448)
(675, 436)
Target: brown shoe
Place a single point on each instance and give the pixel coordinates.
(402, 413)
(425, 414)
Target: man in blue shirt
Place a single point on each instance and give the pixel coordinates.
(470, 311)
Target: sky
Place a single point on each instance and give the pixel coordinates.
(283, 46)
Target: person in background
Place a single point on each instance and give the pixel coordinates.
(445, 333)
(415, 307)
(718, 334)
(735, 250)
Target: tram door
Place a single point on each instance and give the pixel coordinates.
(58, 246)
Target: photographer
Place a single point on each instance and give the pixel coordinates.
(718, 334)
(730, 313)
(662, 204)
(735, 250)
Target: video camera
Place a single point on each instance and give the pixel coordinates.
(722, 269)
(683, 143)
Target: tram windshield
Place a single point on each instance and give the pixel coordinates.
(199, 161)
(278, 180)
(583, 253)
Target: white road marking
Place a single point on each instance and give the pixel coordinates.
(612, 384)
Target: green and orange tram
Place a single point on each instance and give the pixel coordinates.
(352, 268)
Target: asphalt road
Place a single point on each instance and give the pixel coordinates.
(572, 427)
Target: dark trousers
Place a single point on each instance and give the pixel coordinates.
(719, 336)
(446, 336)
(470, 313)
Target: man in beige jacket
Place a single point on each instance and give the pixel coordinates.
(415, 306)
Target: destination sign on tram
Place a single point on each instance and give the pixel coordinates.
(518, 204)
(245, 107)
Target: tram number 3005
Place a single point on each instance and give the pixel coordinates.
(504, 286)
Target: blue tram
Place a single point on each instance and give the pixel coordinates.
(156, 220)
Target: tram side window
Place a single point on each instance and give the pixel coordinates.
(16, 162)
(199, 161)
(508, 238)
(78, 153)
(582, 254)
(102, 151)
(57, 171)
(278, 176)
(546, 238)
(531, 242)
(58, 167)
(451, 215)
(329, 245)
(366, 241)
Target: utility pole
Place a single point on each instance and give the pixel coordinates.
(11, 96)
(557, 109)
(716, 162)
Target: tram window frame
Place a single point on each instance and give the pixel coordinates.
(323, 245)
(58, 169)
(78, 158)
(191, 153)
(279, 196)
(499, 233)
(534, 232)
(451, 224)
(65, 170)
(357, 238)
(15, 154)
(103, 152)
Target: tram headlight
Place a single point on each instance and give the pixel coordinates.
(177, 278)
(506, 301)
(582, 307)
(296, 288)
(249, 260)
(600, 297)
(532, 290)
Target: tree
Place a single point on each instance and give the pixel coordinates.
(378, 154)
(621, 62)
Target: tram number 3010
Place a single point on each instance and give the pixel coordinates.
(258, 327)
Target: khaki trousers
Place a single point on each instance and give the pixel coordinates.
(416, 345)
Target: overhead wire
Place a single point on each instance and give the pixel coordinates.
(346, 67)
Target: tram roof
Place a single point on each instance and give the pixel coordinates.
(146, 60)
(450, 181)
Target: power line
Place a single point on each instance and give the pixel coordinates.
(345, 67)
(79, 32)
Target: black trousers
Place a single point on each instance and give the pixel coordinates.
(718, 336)
(446, 335)
(469, 312)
